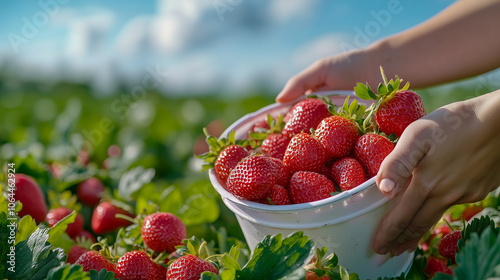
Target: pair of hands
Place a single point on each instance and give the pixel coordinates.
(450, 156)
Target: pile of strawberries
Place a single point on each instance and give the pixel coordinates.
(316, 149)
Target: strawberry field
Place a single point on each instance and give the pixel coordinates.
(104, 178)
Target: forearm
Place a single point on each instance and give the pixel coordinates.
(462, 41)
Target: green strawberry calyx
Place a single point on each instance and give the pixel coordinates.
(215, 147)
(275, 126)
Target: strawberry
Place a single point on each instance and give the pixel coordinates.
(189, 267)
(224, 154)
(163, 231)
(370, 150)
(275, 145)
(250, 179)
(348, 173)
(277, 196)
(471, 210)
(90, 191)
(281, 172)
(57, 214)
(306, 186)
(104, 220)
(135, 265)
(397, 111)
(74, 253)
(304, 153)
(435, 265)
(228, 159)
(28, 192)
(94, 260)
(160, 272)
(260, 126)
(338, 135)
(395, 108)
(311, 275)
(306, 114)
(448, 245)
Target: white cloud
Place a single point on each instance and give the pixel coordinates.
(283, 10)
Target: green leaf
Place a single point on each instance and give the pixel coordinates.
(382, 89)
(361, 90)
(67, 272)
(57, 233)
(207, 275)
(25, 228)
(258, 135)
(275, 257)
(5, 243)
(479, 257)
(476, 226)
(101, 275)
(35, 257)
(133, 180)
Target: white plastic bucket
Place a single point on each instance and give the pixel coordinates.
(344, 223)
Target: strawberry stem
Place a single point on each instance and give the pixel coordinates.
(383, 75)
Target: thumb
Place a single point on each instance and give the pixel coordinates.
(311, 78)
(396, 170)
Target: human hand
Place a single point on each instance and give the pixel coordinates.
(451, 156)
(340, 72)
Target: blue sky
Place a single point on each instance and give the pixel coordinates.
(227, 45)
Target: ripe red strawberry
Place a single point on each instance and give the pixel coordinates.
(28, 192)
(435, 265)
(448, 245)
(398, 110)
(251, 179)
(304, 153)
(338, 135)
(104, 220)
(471, 210)
(90, 191)
(189, 267)
(94, 260)
(57, 214)
(348, 173)
(311, 275)
(277, 196)
(260, 126)
(74, 253)
(370, 150)
(275, 145)
(281, 172)
(395, 108)
(135, 265)
(163, 231)
(228, 159)
(160, 272)
(306, 186)
(306, 114)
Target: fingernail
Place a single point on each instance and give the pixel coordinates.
(279, 96)
(386, 186)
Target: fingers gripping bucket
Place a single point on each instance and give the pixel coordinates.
(344, 223)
